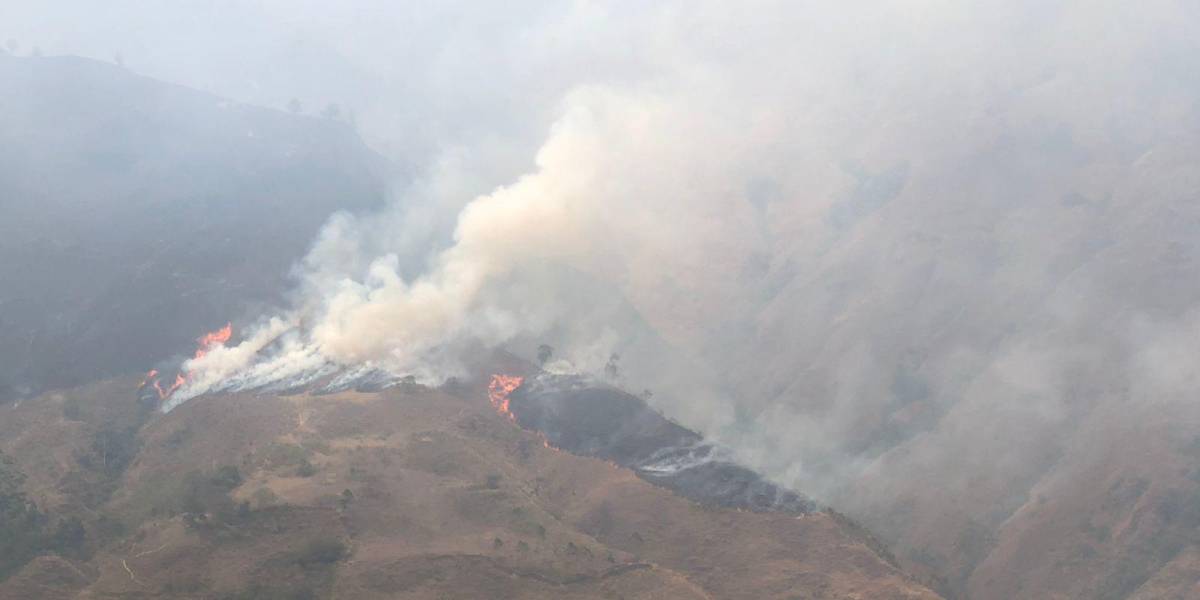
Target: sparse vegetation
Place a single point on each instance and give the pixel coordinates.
(321, 551)
(263, 498)
(68, 538)
(206, 496)
(22, 525)
(262, 591)
(306, 469)
(112, 450)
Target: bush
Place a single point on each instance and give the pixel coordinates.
(306, 469)
(227, 477)
(321, 551)
(208, 494)
(264, 498)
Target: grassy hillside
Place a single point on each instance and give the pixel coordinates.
(409, 493)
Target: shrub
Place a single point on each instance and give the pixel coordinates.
(321, 551)
(306, 469)
(227, 477)
(263, 497)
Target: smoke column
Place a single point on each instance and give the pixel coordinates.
(581, 206)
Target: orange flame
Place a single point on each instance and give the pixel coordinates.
(499, 389)
(212, 338)
(151, 374)
(205, 343)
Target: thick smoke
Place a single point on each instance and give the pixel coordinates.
(583, 207)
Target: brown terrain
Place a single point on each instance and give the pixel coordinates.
(1010, 377)
(408, 493)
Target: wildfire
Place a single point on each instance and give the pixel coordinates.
(498, 391)
(152, 374)
(204, 344)
(212, 338)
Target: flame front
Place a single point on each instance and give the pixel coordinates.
(204, 344)
(499, 389)
(212, 338)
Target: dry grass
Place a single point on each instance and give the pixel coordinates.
(433, 496)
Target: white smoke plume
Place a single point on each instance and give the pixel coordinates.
(584, 206)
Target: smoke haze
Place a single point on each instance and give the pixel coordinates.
(698, 158)
(867, 247)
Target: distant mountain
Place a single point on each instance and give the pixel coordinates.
(136, 214)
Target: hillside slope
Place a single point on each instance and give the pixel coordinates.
(987, 356)
(407, 493)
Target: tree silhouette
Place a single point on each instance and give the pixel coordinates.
(612, 370)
